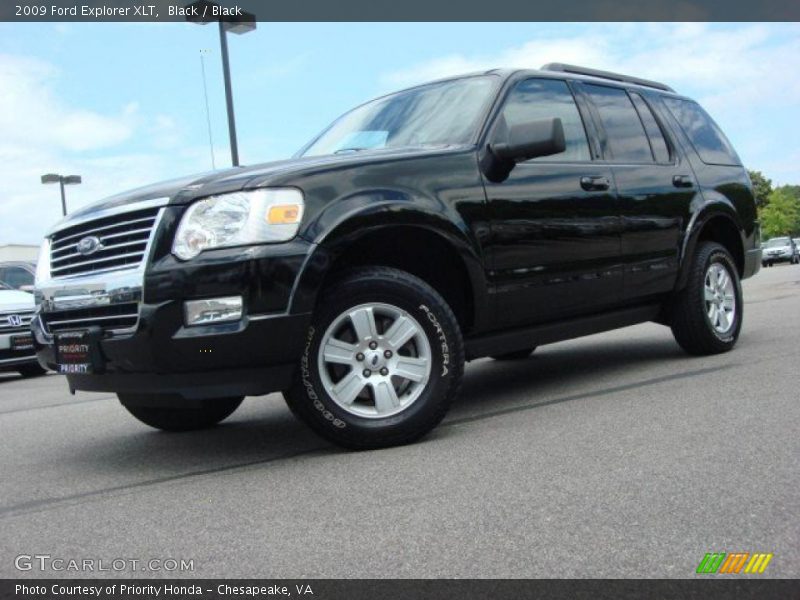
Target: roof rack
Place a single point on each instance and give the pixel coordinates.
(605, 75)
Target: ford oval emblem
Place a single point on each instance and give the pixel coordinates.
(89, 245)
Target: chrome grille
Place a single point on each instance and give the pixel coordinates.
(123, 240)
(115, 317)
(6, 325)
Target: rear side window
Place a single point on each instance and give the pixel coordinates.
(627, 141)
(657, 142)
(708, 140)
(535, 99)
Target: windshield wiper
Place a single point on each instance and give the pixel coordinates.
(346, 150)
(392, 148)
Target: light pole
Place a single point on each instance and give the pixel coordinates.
(62, 180)
(239, 25)
(208, 112)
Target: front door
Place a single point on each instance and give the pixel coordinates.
(555, 228)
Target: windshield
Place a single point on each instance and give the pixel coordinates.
(445, 113)
(777, 242)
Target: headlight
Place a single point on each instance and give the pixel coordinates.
(43, 262)
(240, 218)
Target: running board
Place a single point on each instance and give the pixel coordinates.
(539, 335)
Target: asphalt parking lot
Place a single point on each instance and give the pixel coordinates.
(611, 456)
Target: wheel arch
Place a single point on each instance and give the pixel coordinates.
(719, 224)
(425, 243)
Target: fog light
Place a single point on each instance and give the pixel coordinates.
(213, 310)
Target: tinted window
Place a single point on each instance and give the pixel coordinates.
(17, 277)
(535, 99)
(657, 142)
(626, 138)
(710, 143)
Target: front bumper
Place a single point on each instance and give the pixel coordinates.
(252, 357)
(160, 355)
(776, 258)
(12, 359)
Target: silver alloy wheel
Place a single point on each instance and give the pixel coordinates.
(720, 298)
(374, 360)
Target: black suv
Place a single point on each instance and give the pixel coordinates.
(477, 216)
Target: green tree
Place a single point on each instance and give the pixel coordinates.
(781, 215)
(794, 190)
(762, 187)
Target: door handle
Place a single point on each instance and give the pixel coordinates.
(682, 181)
(595, 183)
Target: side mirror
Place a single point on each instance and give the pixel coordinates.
(523, 142)
(531, 140)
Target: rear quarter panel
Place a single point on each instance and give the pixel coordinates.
(725, 190)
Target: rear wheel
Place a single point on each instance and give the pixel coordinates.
(516, 355)
(383, 361)
(707, 314)
(168, 418)
(31, 371)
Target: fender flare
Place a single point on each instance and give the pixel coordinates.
(349, 220)
(698, 222)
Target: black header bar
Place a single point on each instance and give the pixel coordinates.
(100, 11)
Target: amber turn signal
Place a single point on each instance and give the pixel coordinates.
(283, 214)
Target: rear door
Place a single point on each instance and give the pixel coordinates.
(555, 238)
(655, 186)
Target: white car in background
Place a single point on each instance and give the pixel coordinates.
(779, 249)
(16, 339)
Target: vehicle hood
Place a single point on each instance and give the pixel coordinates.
(161, 189)
(185, 189)
(11, 300)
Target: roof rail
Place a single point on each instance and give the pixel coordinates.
(605, 75)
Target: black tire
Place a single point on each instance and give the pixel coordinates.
(516, 355)
(31, 371)
(691, 324)
(169, 418)
(308, 398)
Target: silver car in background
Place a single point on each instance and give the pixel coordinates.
(779, 249)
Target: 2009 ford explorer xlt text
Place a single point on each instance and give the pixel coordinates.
(476, 216)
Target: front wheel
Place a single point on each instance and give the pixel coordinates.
(382, 363)
(169, 418)
(707, 313)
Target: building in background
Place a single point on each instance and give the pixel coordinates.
(21, 252)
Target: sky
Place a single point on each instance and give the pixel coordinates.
(122, 104)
